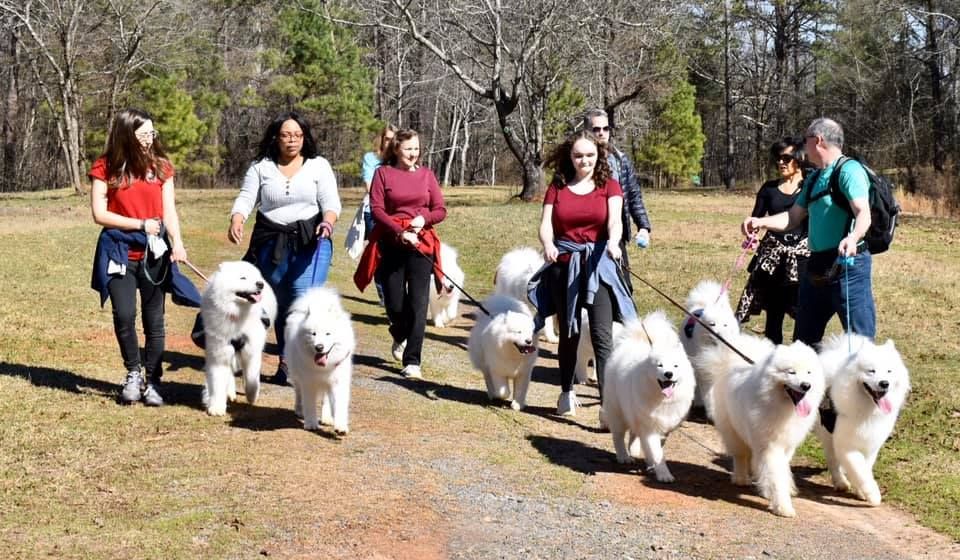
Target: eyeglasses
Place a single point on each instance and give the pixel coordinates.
(290, 136)
(784, 158)
(146, 135)
(599, 129)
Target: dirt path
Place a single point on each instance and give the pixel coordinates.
(430, 470)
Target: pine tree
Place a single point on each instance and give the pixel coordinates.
(674, 147)
(173, 111)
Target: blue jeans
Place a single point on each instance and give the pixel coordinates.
(296, 273)
(851, 288)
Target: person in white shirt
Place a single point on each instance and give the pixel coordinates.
(296, 192)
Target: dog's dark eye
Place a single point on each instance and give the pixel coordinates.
(791, 372)
(659, 364)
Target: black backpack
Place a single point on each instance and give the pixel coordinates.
(884, 209)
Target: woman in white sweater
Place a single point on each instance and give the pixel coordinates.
(298, 207)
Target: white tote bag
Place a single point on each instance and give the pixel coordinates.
(354, 241)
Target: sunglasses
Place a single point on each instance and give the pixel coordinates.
(784, 158)
(599, 129)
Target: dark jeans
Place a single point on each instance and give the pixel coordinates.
(123, 298)
(600, 314)
(405, 277)
(819, 301)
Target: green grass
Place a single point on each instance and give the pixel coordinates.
(82, 477)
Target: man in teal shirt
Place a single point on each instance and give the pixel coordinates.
(837, 275)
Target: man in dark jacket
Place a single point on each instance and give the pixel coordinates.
(597, 121)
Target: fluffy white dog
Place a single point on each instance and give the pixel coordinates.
(511, 279)
(319, 353)
(709, 302)
(443, 304)
(503, 347)
(585, 351)
(868, 388)
(237, 308)
(647, 391)
(765, 410)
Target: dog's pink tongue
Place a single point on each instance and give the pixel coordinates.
(803, 408)
(885, 405)
(320, 360)
(257, 296)
(667, 391)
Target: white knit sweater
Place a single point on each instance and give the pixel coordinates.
(311, 190)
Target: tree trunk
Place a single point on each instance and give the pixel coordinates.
(936, 91)
(8, 182)
(728, 171)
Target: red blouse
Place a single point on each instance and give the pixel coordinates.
(581, 218)
(141, 198)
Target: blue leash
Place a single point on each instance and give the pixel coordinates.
(847, 262)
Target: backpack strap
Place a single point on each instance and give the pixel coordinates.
(838, 197)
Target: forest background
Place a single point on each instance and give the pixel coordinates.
(697, 90)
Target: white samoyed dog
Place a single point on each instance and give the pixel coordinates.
(504, 348)
(585, 352)
(765, 410)
(868, 388)
(237, 308)
(709, 302)
(512, 276)
(648, 390)
(319, 354)
(443, 304)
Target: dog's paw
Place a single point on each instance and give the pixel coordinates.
(783, 510)
(217, 410)
(516, 405)
(625, 459)
(663, 474)
(341, 430)
(311, 425)
(841, 484)
(741, 480)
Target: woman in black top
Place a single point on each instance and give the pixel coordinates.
(773, 271)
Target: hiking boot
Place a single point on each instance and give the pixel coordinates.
(398, 348)
(567, 404)
(279, 378)
(412, 371)
(151, 397)
(131, 391)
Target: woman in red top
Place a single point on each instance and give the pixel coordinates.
(133, 192)
(406, 203)
(581, 213)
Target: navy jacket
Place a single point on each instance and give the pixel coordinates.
(113, 245)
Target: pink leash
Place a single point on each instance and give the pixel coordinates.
(748, 246)
(195, 270)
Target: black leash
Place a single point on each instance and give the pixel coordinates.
(455, 285)
(690, 315)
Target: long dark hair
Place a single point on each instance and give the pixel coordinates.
(562, 165)
(268, 148)
(126, 158)
(399, 137)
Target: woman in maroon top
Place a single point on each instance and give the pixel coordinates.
(406, 203)
(581, 212)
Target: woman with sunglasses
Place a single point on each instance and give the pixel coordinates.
(774, 279)
(298, 207)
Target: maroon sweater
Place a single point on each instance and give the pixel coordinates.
(399, 193)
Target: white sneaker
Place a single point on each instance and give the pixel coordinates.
(398, 348)
(412, 371)
(567, 404)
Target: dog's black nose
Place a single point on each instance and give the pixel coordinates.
(668, 374)
(805, 386)
(259, 284)
(884, 384)
(528, 342)
(318, 348)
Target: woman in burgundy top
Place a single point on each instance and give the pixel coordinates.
(581, 212)
(406, 203)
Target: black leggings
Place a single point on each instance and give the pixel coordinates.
(405, 277)
(600, 314)
(123, 297)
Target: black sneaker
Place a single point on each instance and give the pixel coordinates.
(279, 378)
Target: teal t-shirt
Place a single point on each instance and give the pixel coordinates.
(827, 221)
(368, 166)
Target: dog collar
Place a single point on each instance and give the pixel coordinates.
(691, 322)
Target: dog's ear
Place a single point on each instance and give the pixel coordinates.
(889, 344)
